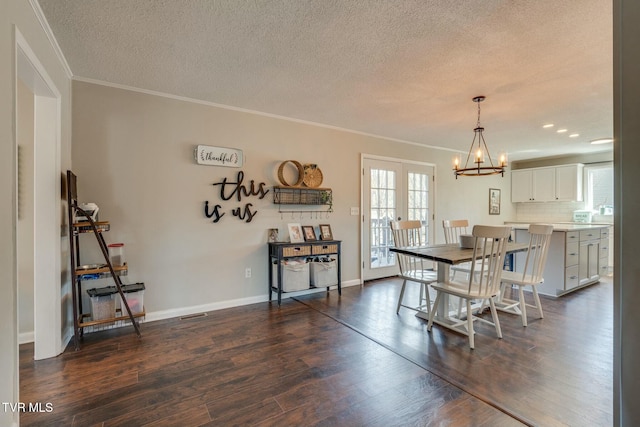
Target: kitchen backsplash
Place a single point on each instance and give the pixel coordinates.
(553, 212)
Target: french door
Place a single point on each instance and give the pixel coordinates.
(392, 189)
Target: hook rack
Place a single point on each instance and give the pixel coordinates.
(318, 213)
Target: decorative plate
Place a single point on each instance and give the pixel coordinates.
(312, 176)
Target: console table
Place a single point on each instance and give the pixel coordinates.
(279, 251)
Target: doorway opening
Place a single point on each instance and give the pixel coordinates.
(38, 124)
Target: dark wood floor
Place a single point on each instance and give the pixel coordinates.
(340, 361)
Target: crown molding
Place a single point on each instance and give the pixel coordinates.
(52, 39)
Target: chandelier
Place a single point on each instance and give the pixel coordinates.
(479, 151)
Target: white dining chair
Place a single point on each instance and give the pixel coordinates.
(453, 229)
(531, 274)
(412, 269)
(482, 285)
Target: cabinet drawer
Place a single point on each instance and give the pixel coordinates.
(589, 235)
(571, 255)
(573, 236)
(604, 248)
(324, 249)
(604, 233)
(293, 251)
(604, 267)
(571, 278)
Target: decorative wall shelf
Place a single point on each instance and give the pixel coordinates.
(302, 196)
(283, 195)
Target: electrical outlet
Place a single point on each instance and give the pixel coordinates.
(247, 273)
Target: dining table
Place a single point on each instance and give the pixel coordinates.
(446, 255)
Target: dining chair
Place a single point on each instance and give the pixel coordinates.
(412, 269)
(531, 274)
(482, 285)
(453, 229)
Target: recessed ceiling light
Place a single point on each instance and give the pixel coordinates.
(561, 130)
(602, 141)
(574, 135)
(548, 125)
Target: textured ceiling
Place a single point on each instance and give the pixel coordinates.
(401, 69)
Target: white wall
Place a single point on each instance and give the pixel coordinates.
(133, 155)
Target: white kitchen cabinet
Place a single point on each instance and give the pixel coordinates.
(569, 183)
(605, 250)
(547, 184)
(589, 253)
(574, 260)
(521, 185)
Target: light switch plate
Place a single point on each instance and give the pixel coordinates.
(355, 211)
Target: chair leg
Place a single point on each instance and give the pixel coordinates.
(536, 298)
(523, 305)
(494, 315)
(434, 311)
(427, 298)
(404, 284)
(470, 325)
(503, 289)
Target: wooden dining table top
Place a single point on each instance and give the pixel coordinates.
(450, 253)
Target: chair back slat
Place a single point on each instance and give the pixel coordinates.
(453, 228)
(489, 250)
(539, 242)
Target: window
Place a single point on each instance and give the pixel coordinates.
(599, 188)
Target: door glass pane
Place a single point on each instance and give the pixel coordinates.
(383, 210)
(418, 202)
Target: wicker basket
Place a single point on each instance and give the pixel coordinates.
(281, 178)
(325, 249)
(296, 251)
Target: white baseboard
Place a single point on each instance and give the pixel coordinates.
(66, 338)
(354, 282)
(185, 311)
(26, 337)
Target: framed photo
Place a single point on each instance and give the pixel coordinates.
(325, 232)
(494, 201)
(272, 235)
(309, 233)
(295, 233)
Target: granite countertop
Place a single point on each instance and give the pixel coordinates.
(560, 226)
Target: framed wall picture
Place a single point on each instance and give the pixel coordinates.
(295, 233)
(494, 201)
(309, 233)
(325, 232)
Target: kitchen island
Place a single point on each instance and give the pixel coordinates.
(578, 256)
